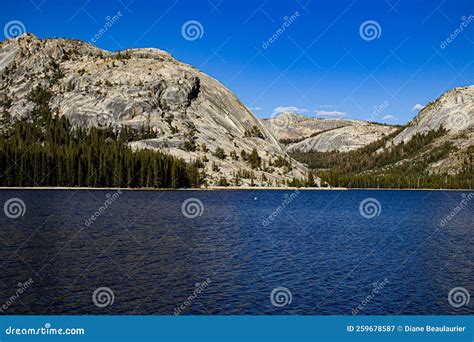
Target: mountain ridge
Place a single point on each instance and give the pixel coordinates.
(304, 133)
(193, 115)
(434, 150)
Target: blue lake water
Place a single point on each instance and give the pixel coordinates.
(240, 252)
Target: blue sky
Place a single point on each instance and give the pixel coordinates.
(322, 64)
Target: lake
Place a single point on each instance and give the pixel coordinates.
(355, 252)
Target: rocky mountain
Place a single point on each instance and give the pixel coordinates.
(454, 111)
(306, 134)
(434, 150)
(192, 115)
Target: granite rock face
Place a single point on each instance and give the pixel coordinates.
(454, 111)
(343, 139)
(307, 134)
(142, 87)
(193, 114)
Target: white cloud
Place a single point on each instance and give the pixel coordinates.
(289, 109)
(417, 107)
(325, 106)
(389, 117)
(332, 113)
(255, 109)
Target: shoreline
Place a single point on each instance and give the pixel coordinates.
(216, 188)
(210, 188)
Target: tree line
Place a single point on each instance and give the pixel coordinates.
(379, 166)
(46, 150)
